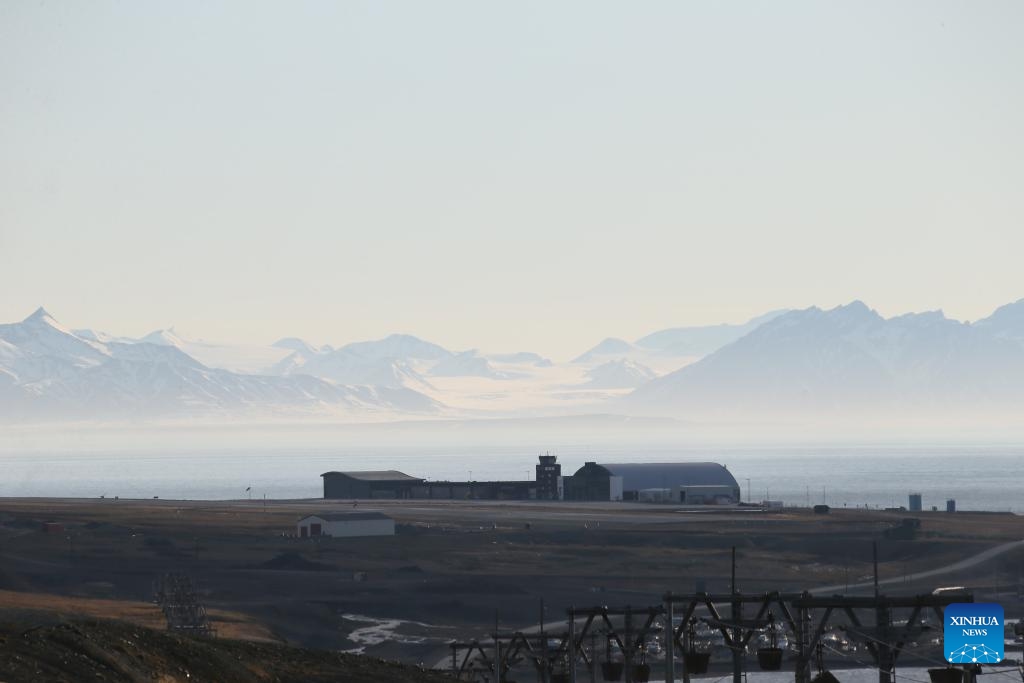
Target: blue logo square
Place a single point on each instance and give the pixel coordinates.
(973, 633)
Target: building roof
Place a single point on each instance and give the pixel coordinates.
(653, 475)
(376, 475)
(347, 516)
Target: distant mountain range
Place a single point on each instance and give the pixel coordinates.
(848, 361)
(852, 361)
(48, 372)
(690, 342)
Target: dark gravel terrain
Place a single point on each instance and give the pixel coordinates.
(117, 651)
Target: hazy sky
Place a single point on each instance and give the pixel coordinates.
(522, 175)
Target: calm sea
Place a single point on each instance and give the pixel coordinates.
(978, 478)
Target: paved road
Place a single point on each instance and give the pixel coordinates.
(967, 563)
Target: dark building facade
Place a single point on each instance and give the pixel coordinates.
(590, 482)
(379, 484)
(391, 484)
(476, 490)
(548, 472)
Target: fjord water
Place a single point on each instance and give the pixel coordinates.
(983, 477)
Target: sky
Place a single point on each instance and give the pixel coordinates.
(507, 176)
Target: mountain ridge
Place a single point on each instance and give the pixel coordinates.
(844, 361)
(848, 358)
(49, 371)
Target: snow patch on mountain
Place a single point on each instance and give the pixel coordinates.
(100, 337)
(466, 364)
(619, 374)
(348, 367)
(296, 344)
(522, 358)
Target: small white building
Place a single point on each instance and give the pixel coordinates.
(345, 525)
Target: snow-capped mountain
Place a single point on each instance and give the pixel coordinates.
(101, 337)
(619, 374)
(296, 344)
(702, 340)
(848, 359)
(399, 360)
(243, 358)
(466, 364)
(610, 346)
(349, 367)
(39, 349)
(403, 346)
(166, 337)
(659, 348)
(48, 372)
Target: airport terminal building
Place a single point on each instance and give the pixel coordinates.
(688, 483)
(395, 485)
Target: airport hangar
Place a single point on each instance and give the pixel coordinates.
(388, 484)
(690, 483)
(687, 483)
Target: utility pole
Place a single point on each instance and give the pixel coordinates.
(497, 651)
(874, 556)
(627, 646)
(737, 632)
(593, 657)
(572, 645)
(803, 624)
(886, 661)
(670, 634)
(544, 646)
